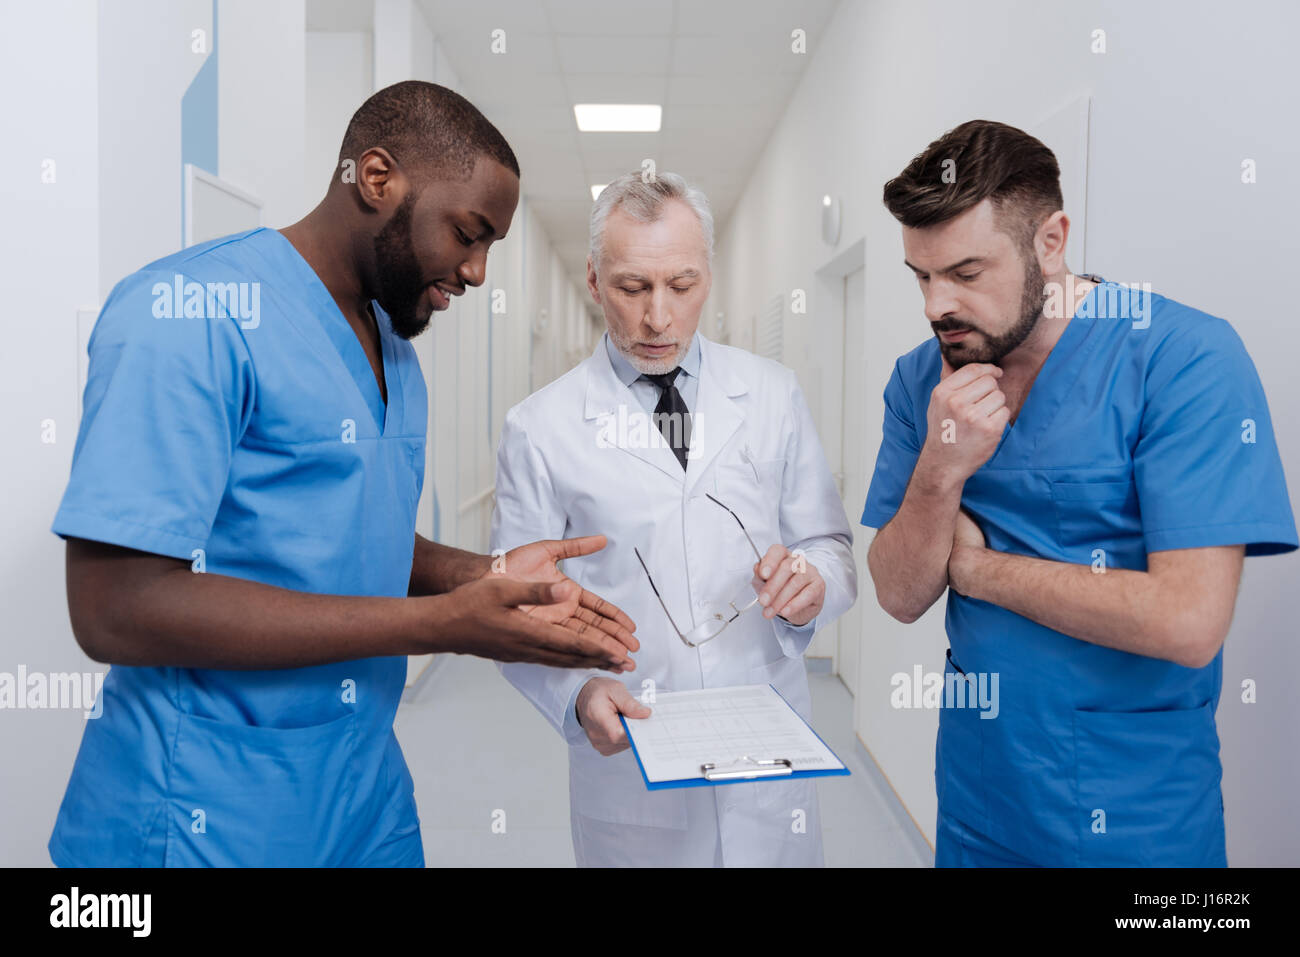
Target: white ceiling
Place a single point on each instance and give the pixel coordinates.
(723, 70)
(341, 15)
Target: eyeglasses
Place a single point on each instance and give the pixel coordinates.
(717, 620)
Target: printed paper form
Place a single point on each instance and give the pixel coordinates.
(720, 725)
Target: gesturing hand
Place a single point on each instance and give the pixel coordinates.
(581, 612)
(486, 618)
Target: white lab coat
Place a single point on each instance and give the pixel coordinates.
(564, 470)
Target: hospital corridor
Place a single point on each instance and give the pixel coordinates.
(765, 435)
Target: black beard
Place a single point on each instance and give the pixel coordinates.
(996, 348)
(401, 284)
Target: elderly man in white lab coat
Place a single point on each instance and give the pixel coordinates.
(735, 458)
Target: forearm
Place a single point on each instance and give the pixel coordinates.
(908, 558)
(151, 612)
(436, 569)
(1119, 608)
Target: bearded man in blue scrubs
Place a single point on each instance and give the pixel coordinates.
(1083, 467)
(240, 519)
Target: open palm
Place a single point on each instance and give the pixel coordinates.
(539, 562)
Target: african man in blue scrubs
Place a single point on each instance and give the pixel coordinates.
(1082, 466)
(240, 519)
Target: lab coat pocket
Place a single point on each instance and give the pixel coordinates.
(245, 795)
(1148, 788)
(752, 489)
(959, 760)
(786, 796)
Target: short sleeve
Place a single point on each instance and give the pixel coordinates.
(166, 402)
(900, 446)
(1206, 463)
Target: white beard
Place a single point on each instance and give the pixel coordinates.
(648, 366)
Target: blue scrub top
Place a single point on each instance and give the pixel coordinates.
(1134, 438)
(242, 429)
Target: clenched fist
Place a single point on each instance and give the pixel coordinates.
(966, 419)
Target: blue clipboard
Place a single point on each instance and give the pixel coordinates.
(702, 782)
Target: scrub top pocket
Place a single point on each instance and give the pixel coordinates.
(246, 795)
(1155, 777)
(1088, 514)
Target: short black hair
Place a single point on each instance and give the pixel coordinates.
(428, 129)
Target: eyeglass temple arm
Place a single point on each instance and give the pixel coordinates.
(757, 554)
(650, 578)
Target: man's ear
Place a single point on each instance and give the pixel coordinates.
(593, 285)
(1049, 242)
(381, 185)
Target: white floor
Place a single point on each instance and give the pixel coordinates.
(480, 753)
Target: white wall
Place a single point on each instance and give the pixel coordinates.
(1184, 92)
(140, 119)
(262, 52)
(48, 270)
(339, 78)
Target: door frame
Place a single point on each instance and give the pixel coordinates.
(829, 330)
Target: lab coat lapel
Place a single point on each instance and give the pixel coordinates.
(611, 405)
(717, 417)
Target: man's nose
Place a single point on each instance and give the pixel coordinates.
(657, 314)
(472, 270)
(940, 300)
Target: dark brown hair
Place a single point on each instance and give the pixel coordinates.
(989, 160)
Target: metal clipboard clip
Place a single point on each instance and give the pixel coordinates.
(747, 767)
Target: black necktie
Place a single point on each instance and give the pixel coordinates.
(671, 415)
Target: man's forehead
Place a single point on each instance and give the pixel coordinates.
(973, 233)
(662, 256)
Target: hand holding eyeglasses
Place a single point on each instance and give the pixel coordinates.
(789, 585)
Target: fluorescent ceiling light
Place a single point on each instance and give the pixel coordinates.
(596, 191)
(618, 117)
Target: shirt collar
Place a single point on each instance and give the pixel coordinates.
(627, 373)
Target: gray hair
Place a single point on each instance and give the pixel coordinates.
(644, 201)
